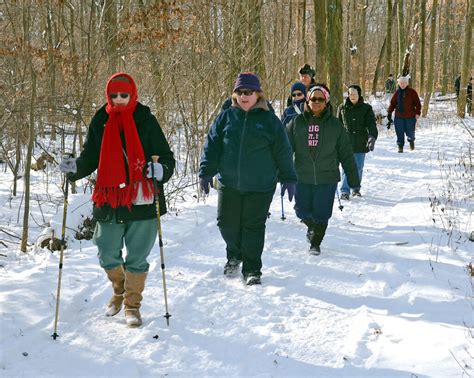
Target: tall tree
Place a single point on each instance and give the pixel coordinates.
(446, 46)
(334, 38)
(430, 81)
(422, 43)
(388, 39)
(466, 57)
(401, 34)
(321, 42)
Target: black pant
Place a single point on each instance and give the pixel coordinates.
(241, 218)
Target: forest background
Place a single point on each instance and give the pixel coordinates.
(185, 55)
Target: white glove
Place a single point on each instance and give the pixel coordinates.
(154, 170)
(68, 165)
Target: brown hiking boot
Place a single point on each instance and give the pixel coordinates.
(400, 149)
(117, 277)
(134, 286)
(412, 145)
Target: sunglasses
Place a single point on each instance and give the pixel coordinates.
(297, 94)
(318, 99)
(246, 92)
(113, 96)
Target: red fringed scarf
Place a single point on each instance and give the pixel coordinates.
(112, 187)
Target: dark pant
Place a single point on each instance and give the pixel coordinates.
(241, 218)
(405, 126)
(315, 202)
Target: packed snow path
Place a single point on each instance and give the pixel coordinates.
(387, 296)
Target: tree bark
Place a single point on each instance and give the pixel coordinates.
(321, 42)
(467, 48)
(334, 37)
(430, 81)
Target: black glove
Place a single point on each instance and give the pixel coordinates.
(205, 182)
(371, 143)
(389, 117)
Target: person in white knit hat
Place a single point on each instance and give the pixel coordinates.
(406, 103)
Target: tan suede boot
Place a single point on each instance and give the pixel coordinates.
(117, 277)
(134, 286)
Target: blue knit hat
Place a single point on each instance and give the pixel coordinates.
(247, 80)
(298, 86)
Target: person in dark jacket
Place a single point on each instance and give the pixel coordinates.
(469, 96)
(359, 120)
(457, 85)
(319, 143)
(248, 149)
(298, 94)
(306, 76)
(390, 87)
(121, 140)
(407, 106)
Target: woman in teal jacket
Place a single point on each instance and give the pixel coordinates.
(248, 149)
(319, 143)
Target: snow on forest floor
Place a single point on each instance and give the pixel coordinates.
(389, 296)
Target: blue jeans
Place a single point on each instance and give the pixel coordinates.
(405, 126)
(359, 158)
(315, 201)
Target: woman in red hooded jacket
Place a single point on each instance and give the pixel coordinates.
(121, 140)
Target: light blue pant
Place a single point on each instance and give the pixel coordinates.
(359, 158)
(139, 237)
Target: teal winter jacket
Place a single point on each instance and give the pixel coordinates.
(249, 151)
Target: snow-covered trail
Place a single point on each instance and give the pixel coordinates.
(387, 297)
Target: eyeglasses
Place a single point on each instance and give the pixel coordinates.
(318, 99)
(246, 92)
(297, 94)
(113, 96)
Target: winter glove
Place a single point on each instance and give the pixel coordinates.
(68, 165)
(205, 182)
(290, 188)
(154, 170)
(389, 117)
(371, 143)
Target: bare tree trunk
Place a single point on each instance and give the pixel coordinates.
(321, 42)
(430, 81)
(334, 37)
(377, 68)
(422, 44)
(446, 44)
(362, 44)
(303, 31)
(466, 56)
(31, 125)
(256, 39)
(388, 39)
(401, 35)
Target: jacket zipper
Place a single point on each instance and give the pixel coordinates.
(240, 151)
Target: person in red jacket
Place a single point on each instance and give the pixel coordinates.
(407, 106)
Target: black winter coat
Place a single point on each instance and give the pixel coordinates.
(153, 142)
(359, 121)
(320, 164)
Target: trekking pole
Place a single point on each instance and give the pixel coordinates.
(160, 239)
(61, 255)
(282, 208)
(339, 199)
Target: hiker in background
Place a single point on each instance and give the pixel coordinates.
(306, 76)
(319, 143)
(407, 106)
(390, 87)
(121, 140)
(248, 149)
(359, 120)
(457, 85)
(469, 97)
(298, 95)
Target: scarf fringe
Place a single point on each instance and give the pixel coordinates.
(122, 197)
